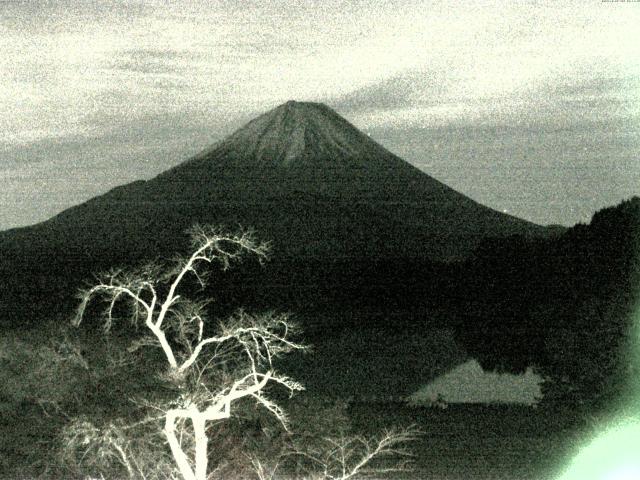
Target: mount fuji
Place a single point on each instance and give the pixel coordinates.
(301, 175)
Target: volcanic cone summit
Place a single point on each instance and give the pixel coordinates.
(297, 131)
(298, 135)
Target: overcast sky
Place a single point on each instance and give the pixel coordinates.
(528, 107)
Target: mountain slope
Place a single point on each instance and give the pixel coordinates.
(300, 174)
(300, 167)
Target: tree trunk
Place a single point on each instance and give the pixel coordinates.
(176, 449)
(199, 427)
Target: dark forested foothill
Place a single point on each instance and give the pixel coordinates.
(564, 304)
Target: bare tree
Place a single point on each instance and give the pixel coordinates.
(347, 457)
(197, 356)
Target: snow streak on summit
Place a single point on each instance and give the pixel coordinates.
(301, 135)
(295, 130)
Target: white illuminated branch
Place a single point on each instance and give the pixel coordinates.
(346, 458)
(178, 326)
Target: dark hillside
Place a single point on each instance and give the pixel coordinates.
(564, 304)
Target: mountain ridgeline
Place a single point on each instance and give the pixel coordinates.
(303, 177)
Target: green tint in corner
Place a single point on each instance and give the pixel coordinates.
(615, 453)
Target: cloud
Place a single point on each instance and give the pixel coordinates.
(43, 177)
(71, 75)
(151, 61)
(403, 91)
(427, 99)
(150, 56)
(65, 16)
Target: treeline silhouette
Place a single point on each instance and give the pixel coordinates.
(565, 305)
